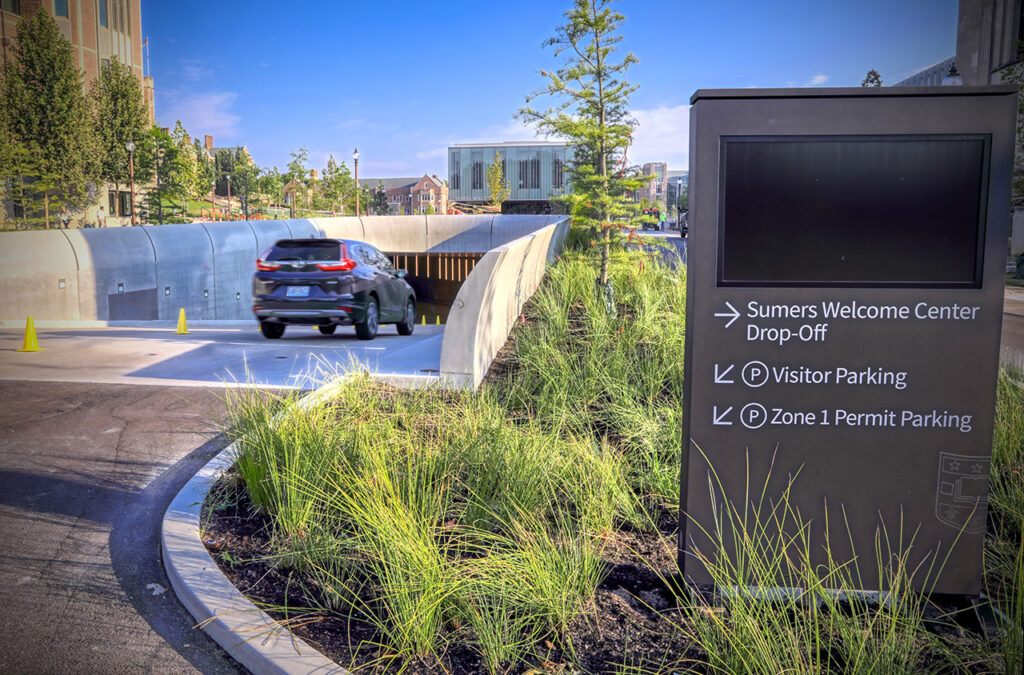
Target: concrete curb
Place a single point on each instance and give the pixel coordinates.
(249, 635)
(245, 632)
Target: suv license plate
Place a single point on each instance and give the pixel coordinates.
(297, 292)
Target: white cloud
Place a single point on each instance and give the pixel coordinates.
(433, 153)
(818, 80)
(662, 134)
(192, 70)
(208, 113)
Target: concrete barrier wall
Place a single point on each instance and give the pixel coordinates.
(341, 228)
(116, 273)
(303, 229)
(405, 234)
(491, 299)
(234, 259)
(460, 234)
(184, 270)
(38, 276)
(267, 232)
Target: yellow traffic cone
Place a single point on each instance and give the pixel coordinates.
(424, 320)
(31, 344)
(182, 325)
(438, 321)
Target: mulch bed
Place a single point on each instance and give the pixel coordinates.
(634, 620)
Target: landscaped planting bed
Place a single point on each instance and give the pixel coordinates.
(530, 527)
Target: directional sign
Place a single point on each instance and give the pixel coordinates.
(732, 314)
(845, 283)
(720, 375)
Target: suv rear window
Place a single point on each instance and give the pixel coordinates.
(304, 250)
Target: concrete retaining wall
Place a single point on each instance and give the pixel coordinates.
(490, 301)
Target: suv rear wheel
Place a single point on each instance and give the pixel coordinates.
(367, 329)
(405, 328)
(328, 329)
(271, 331)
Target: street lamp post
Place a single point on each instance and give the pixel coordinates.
(130, 147)
(679, 201)
(213, 199)
(159, 190)
(228, 177)
(355, 160)
(245, 196)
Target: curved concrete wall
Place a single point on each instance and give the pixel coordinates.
(490, 301)
(303, 229)
(406, 234)
(346, 227)
(234, 257)
(184, 270)
(38, 276)
(116, 273)
(460, 234)
(267, 232)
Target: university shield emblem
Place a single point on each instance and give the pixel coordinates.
(961, 497)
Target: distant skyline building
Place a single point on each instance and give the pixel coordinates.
(657, 189)
(932, 76)
(675, 180)
(98, 30)
(535, 172)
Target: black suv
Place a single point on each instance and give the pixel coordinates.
(327, 283)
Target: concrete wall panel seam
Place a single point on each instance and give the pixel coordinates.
(73, 251)
(145, 229)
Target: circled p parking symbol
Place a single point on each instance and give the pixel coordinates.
(755, 374)
(753, 415)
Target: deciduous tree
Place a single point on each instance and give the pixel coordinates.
(120, 116)
(244, 180)
(380, 201)
(498, 189)
(48, 115)
(298, 173)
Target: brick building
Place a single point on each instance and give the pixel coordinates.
(407, 196)
(97, 30)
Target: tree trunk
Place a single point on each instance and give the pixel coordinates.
(46, 209)
(603, 159)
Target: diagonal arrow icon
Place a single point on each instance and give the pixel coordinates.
(720, 419)
(720, 376)
(733, 314)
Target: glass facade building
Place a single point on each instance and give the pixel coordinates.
(534, 170)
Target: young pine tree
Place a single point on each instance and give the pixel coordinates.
(592, 114)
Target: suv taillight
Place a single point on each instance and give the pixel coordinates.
(343, 265)
(264, 266)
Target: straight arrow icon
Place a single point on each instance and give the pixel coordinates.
(732, 314)
(720, 376)
(719, 420)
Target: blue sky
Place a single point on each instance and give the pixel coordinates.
(402, 80)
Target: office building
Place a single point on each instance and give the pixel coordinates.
(535, 172)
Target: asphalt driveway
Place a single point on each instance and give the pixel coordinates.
(86, 472)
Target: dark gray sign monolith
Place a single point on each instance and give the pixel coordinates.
(846, 263)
